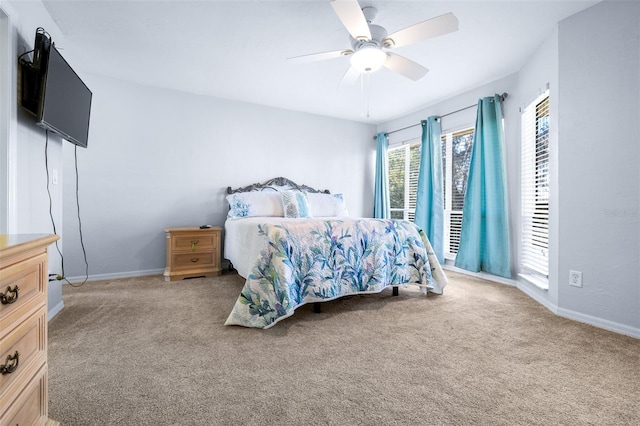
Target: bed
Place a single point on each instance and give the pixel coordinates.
(296, 245)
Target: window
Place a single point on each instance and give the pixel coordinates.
(535, 187)
(404, 168)
(456, 158)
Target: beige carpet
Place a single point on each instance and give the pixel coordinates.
(146, 352)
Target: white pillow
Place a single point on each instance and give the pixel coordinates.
(327, 205)
(255, 203)
(294, 203)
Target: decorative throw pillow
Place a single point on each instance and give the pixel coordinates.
(294, 203)
(327, 205)
(255, 203)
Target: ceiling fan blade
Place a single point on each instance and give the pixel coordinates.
(424, 30)
(352, 18)
(349, 77)
(406, 67)
(315, 57)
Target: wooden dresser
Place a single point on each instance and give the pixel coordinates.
(24, 279)
(192, 252)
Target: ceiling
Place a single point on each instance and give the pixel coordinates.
(238, 49)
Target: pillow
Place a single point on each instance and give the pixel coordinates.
(327, 205)
(254, 203)
(295, 203)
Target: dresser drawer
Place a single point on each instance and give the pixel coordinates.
(23, 287)
(192, 243)
(23, 328)
(30, 408)
(193, 260)
(21, 349)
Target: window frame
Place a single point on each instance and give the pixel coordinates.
(408, 209)
(534, 180)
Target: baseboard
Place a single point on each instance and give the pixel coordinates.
(54, 310)
(482, 275)
(540, 296)
(113, 276)
(599, 322)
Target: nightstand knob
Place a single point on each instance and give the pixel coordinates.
(193, 244)
(195, 259)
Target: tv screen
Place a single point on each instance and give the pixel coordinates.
(65, 101)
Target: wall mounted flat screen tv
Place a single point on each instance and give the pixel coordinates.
(64, 105)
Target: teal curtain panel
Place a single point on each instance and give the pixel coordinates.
(430, 195)
(484, 240)
(381, 204)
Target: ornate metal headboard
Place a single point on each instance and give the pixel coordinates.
(272, 184)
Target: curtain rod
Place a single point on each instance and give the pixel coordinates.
(502, 97)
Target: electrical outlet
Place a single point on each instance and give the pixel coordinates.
(575, 278)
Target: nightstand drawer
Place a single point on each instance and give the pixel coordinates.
(22, 288)
(193, 260)
(24, 347)
(192, 243)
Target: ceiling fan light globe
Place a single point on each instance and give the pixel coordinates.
(368, 59)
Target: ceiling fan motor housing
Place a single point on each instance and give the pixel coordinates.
(378, 34)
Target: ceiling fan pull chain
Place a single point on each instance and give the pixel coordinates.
(365, 96)
(367, 92)
(362, 104)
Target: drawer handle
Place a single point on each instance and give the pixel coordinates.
(7, 298)
(195, 259)
(11, 365)
(193, 244)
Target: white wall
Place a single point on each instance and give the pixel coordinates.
(591, 63)
(159, 158)
(28, 201)
(599, 155)
(7, 111)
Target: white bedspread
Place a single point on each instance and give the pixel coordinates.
(243, 243)
(290, 262)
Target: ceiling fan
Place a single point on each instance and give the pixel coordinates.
(370, 43)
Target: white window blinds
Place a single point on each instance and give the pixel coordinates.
(404, 168)
(456, 158)
(535, 187)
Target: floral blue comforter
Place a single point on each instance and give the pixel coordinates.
(315, 260)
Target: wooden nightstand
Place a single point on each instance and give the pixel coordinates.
(192, 252)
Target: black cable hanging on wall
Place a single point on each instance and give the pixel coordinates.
(53, 223)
